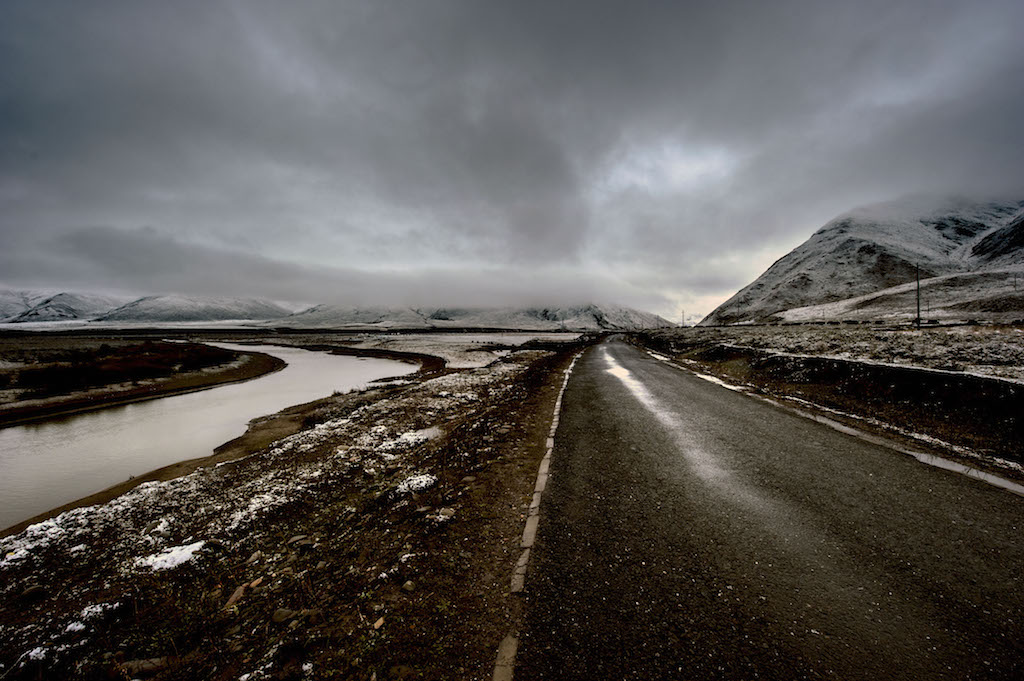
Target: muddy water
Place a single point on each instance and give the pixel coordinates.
(46, 464)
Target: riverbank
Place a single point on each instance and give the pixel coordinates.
(260, 432)
(246, 366)
(376, 541)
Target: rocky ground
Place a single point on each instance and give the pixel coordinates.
(375, 543)
(983, 349)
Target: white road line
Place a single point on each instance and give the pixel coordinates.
(504, 666)
(923, 457)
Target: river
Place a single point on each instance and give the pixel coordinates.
(44, 465)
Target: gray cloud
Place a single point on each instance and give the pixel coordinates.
(148, 261)
(658, 154)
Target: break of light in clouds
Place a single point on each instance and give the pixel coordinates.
(659, 155)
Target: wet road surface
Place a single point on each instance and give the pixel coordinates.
(692, 532)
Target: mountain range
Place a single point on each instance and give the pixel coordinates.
(575, 318)
(18, 307)
(864, 264)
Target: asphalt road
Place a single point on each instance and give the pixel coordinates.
(692, 532)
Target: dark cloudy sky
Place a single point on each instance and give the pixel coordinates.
(659, 155)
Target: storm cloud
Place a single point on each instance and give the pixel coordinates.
(653, 154)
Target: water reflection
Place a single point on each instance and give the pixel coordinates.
(49, 463)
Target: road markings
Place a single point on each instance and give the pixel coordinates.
(505, 663)
(810, 412)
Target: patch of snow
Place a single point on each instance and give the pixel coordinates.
(95, 610)
(257, 504)
(417, 483)
(14, 556)
(171, 557)
(718, 381)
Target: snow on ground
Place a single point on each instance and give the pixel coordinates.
(983, 350)
(170, 557)
(161, 525)
(993, 294)
(416, 483)
(459, 350)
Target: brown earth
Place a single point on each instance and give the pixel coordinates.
(352, 581)
(143, 386)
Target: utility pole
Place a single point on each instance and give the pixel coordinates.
(682, 317)
(918, 320)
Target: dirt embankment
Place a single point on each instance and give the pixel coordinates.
(960, 415)
(260, 433)
(376, 542)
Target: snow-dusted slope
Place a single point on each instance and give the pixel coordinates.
(14, 302)
(175, 308)
(993, 295)
(877, 247)
(333, 316)
(581, 318)
(66, 306)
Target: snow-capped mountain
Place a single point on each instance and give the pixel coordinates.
(336, 316)
(175, 308)
(14, 302)
(67, 306)
(875, 248)
(580, 318)
(36, 306)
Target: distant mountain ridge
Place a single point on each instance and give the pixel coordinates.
(174, 308)
(20, 307)
(66, 305)
(875, 248)
(15, 302)
(590, 317)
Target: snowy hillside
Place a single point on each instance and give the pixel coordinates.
(581, 318)
(335, 316)
(37, 306)
(875, 248)
(175, 308)
(989, 295)
(14, 302)
(66, 306)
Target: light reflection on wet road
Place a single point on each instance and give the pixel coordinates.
(694, 532)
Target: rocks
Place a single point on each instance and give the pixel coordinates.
(446, 512)
(147, 667)
(469, 478)
(409, 586)
(300, 542)
(236, 596)
(254, 558)
(282, 615)
(34, 592)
